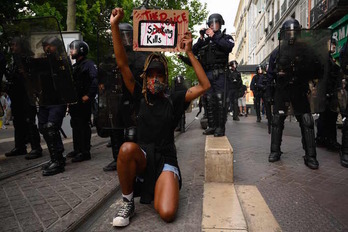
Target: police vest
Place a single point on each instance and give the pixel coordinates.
(211, 56)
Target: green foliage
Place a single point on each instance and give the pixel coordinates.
(94, 14)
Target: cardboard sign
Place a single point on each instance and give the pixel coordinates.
(159, 30)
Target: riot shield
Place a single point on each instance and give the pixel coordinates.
(302, 67)
(39, 59)
(110, 91)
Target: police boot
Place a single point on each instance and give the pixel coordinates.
(221, 116)
(276, 137)
(344, 146)
(210, 115)
(34, 137)
(57, 162)
(308, 141)
(117, 139)
(16, 152)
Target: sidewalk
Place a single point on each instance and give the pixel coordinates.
(299, 198)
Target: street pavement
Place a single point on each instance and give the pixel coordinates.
(300, 199)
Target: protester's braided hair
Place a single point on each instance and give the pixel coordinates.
(158, 57)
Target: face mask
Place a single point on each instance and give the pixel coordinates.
(155, 86)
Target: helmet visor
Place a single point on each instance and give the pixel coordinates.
(214, 24)
(127, 38)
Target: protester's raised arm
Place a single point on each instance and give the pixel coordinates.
(120, 53)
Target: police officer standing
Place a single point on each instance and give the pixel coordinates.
(235, 83)
(136, 62)
(86, 84)
(212, 52)
(180, 86)
(257, 88)
(292, 89)
(24, 114)
(326, 123)
(51, 117)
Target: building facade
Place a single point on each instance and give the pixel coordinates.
(258, 22)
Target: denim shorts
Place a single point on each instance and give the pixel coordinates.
(167, 167)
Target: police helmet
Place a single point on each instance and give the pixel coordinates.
(52, 44)
(126, 30)
(81, 48)
(291, 24)
(215, 18)
(179, 80)
(258, 68)
(233, 63)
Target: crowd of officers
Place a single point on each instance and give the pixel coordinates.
(227, 93)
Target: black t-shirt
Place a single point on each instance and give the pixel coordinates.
(157, 121)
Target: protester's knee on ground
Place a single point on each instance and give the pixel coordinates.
(167, 214)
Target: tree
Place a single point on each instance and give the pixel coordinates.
(94, 14)
(71, 16)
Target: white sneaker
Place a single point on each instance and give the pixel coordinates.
(196, 118)
(231, 113)
(124, 214)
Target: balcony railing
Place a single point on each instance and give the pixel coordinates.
(322, 8)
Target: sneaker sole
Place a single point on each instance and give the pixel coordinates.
(119, 223)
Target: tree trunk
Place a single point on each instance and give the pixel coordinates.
(71, 16)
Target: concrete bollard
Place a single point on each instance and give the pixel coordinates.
(218, 160)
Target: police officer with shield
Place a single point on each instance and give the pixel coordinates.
(235, 83)
(24, 114)
(326, 123)
(86, 84)
(50, 117)
(124, 129)
(292, 66)
(212, 52)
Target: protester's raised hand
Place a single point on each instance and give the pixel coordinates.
(187, 41)
(116, 16)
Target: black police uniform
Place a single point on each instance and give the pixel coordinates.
(86, 84)
(261, 87)
(51, 117)
(235, 83)
(213, 55)
(24, 114)
(292, 90)
(119, 136)
(180, 86)
(326, 123)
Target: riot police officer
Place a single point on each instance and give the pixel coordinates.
(292, 89)
(127, 133)
(326, 123)
(212, 52)
(235, 83)
(51, 117)
(261, 87)
(86, 84)
(180, 86)
(24, 114)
